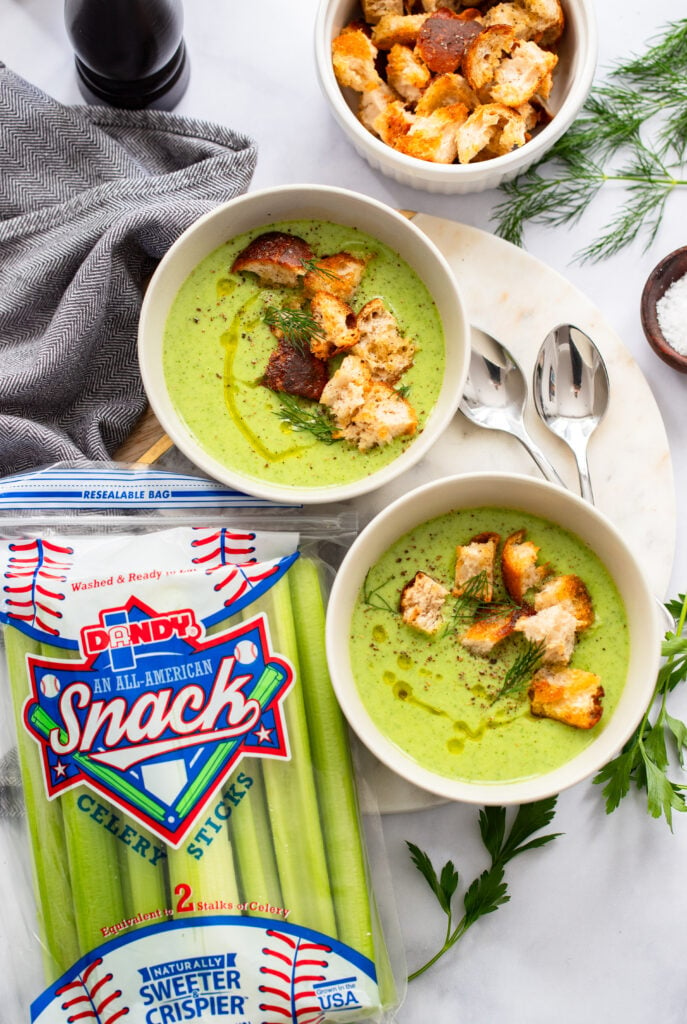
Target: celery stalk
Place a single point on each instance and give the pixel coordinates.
(291, 793)
(252, 841)
(332, 763)
(144, 877)
(202, 871)
(44, 819)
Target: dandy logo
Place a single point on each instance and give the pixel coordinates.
(156, 714)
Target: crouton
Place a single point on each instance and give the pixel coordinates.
(570, 593)
(554, 627)
(336, 323)
(344, 392)
(387, 353)
(491, 129)
(422, 602)
(513, 15)
(407, 73)
(384, 114)
(542, 21)
(402, 29)
(373, 10)
(276, 257)
(519, 76)
(443, 40)
(444, 91)
(295, 371)
(568, 695)
(340, 274)
(354, 58)
(485, 53)
(519, 566)
(434, 137)
(383, 416)
(475, 561)
(483, 635)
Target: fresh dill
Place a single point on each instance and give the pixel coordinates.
(526, 663)
(312, 418)
(470, 600)
(489, 890)
(297, 325)
(312, 266)
(644, 761)
(632, 131)
(373, 597)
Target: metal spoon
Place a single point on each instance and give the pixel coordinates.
(495, 394)
(571, 392)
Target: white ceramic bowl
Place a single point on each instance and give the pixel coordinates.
(573, 78)
(549, 502)
(294, 202)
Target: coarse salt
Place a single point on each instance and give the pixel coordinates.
(671, 310)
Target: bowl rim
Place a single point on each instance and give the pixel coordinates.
(406, 512)
(504, 166)
(150, 353)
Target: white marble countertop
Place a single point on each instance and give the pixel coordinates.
(595, 925)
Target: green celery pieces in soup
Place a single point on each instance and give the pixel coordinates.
(452, 706)
(218, 343)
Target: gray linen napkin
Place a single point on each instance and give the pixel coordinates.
(90, 199)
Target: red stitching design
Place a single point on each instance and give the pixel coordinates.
(43, 564)
(294, 1000)
(92, 1002)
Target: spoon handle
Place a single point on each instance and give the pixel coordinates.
(585, 480)
(541, 460)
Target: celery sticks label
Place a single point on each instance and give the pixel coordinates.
(156, 700)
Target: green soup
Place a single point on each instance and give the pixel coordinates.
(217, 344)
(434, 699)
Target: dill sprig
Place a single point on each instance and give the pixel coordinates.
(489, 890)
(528, 660)
(632, 131)
(373, 597)
(312, 266)
(312, 418)
(471, 599)
(296, 324)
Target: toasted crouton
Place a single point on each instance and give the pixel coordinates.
(384, 114)
(276, 257)
(345, 390)
(483, 635)
(407, 73)
(393, 28)
(492, 128)
(519, 76)
(570, 593)
(383, 416)
(475, 561)
(485, 53)
(336, 323)
(387, 353)
(434, 137)
(422, 601)
(443, 40)
(339, 274)
(554, 627)
(295, 371)
(568, 695)
(444, 91)
(353, 59)
(519, 566)
(373, 10)
(547, 18)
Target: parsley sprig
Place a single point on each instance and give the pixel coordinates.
(489, 890)
(644, 761)
(632, 131)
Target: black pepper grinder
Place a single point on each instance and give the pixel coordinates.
(129, 53)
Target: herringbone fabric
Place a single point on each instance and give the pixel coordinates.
(90, 199)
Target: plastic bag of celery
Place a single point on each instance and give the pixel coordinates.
(196, 846)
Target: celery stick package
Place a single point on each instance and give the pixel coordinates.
(184, 841)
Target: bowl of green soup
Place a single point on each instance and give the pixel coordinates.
(303, 344)
(492, 639)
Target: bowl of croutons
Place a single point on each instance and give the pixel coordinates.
(452, 96)
(303, 343)
(492, 639)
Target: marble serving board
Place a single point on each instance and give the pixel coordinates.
(518, 300)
